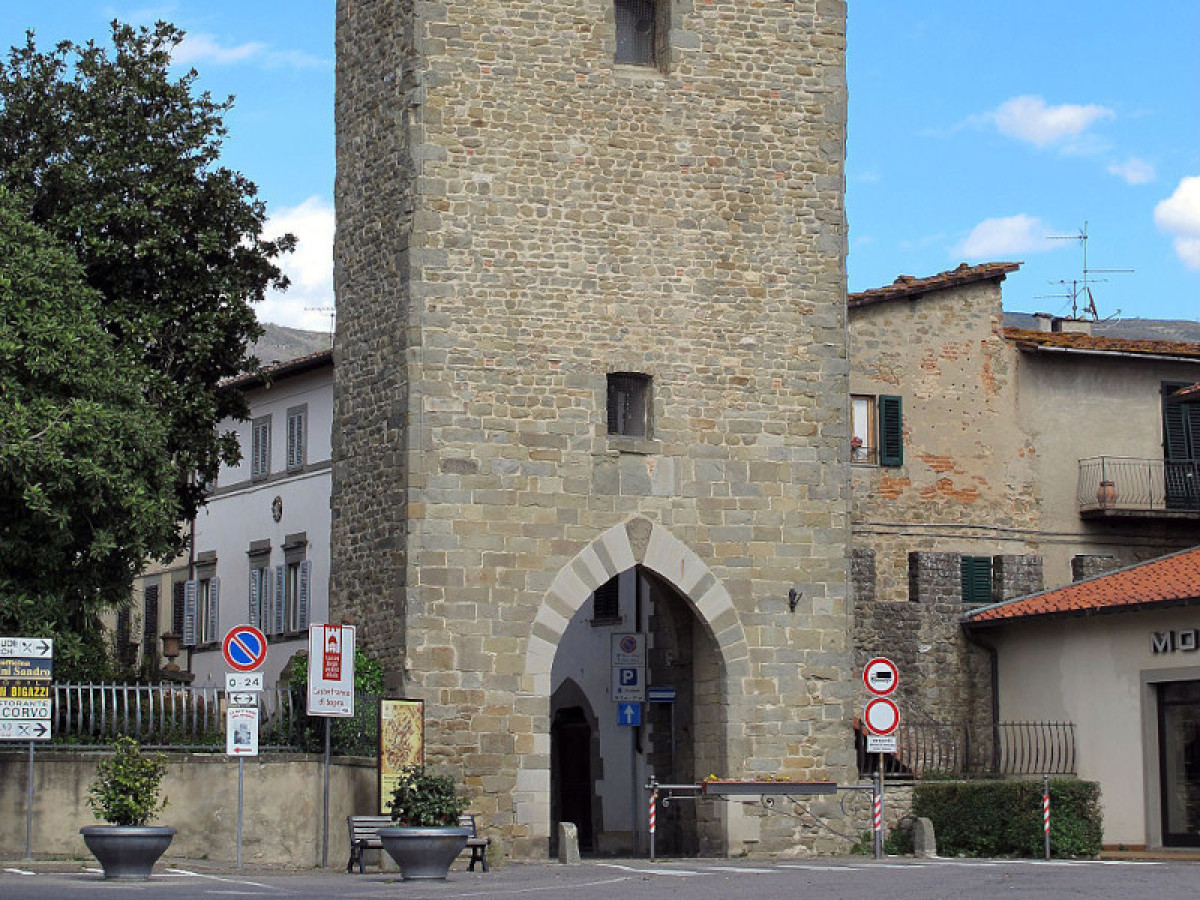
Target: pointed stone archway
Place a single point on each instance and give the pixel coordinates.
(637, 542)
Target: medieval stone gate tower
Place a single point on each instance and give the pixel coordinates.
(590, 271)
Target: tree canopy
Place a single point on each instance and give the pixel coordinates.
(131, 263)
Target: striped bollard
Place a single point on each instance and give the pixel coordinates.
(1046, 812)
(878, 817)
(653, 820)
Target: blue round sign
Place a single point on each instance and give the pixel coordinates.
(244, 648)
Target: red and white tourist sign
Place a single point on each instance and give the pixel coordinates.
(331, 670)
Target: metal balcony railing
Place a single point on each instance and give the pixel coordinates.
(925, 749)
(1125, 485)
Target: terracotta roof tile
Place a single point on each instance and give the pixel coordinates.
(1062, 340)
(1167, 580)
(908, 286)
(279, 370)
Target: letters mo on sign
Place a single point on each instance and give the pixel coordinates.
(1179, 640)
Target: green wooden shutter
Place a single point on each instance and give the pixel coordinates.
(891, 432)
(976, 579)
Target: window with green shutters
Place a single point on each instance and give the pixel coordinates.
(976, 579)
(891, 432)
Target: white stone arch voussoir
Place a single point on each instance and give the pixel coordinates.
(612, 553)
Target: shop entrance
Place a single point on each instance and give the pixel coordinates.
(1179, 762)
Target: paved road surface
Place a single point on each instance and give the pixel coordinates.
(843, 879)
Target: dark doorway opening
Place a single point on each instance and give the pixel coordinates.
(571, 771)
(1179, 762)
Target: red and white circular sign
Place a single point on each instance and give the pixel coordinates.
(882, 716)
(880, 676)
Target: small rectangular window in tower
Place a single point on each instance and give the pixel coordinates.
(629, 404)
(637, 31)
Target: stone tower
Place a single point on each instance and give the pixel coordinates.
(591, 380)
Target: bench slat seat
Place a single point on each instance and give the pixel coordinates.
(364, 835)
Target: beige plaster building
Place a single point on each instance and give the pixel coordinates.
(978, 456)
(1117, 656)
(591, 382)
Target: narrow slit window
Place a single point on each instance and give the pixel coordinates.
(637, 32)
(629, 404)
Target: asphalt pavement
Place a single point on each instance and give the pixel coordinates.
(709, 879)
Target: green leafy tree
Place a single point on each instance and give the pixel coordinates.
(111, 396)
(118, 160)
(86, 485)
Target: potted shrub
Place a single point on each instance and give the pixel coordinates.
(427, 836)
(125, 794)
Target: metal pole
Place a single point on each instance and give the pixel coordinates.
(633, 804)
(29, 810)
(878, 807)
(325, 811)
(241, 774)
(1046, 812)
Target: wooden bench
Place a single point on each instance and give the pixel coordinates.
(364, 835)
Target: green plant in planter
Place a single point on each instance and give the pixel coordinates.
(424, 800)
(126, 788)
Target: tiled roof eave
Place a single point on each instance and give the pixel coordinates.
(975, 624)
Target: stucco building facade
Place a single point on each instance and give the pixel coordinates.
(591, 381)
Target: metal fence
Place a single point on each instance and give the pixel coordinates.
(1122, 483)
(183, 717)
(1005, 748)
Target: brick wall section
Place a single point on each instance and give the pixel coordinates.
(518, 217)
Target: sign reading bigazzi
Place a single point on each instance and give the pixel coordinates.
(26, 676)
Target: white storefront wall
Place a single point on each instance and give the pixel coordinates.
(1099, 672)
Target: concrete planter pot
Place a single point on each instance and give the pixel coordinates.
(127, 852)
(424, 854)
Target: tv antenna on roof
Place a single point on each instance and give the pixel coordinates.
(1080, 289)
(332, 310)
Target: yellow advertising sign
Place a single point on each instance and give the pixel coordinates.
(401, 744)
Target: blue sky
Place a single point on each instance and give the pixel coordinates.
(978, 130)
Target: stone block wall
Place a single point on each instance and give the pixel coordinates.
(519, 217)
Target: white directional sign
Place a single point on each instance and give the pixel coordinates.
(881, 743)
(31, 730)
(629, 684)
(26, 680)
(25, 709)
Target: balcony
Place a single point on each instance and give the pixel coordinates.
(1123, 487)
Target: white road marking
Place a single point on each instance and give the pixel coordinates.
(20, 872)
(676, 873)
(257, 884)
(740, 869)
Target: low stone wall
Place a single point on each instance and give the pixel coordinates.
(282, 799)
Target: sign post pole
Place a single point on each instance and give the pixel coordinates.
(241, 775)
(245, 650)
(325, 808)
(29, 810)
(330, 692)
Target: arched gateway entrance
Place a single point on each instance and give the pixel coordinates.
(635, 579)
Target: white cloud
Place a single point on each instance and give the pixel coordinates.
(204, 48)
(1179, 216)
(1028, 118)
(993, 238)
(310, 267)
(1133, 170)
(198, 49)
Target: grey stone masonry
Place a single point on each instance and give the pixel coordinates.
(518, 217)
(1015, 576)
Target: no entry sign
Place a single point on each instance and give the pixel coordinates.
(881, 676)
(244, 648)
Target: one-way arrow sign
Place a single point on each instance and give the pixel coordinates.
(629, 714)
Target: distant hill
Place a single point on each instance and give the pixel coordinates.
(1131, 329)
(280, 343)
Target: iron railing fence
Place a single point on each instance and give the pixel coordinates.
(1006, 748)
(1129, 484)
(170, 716)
